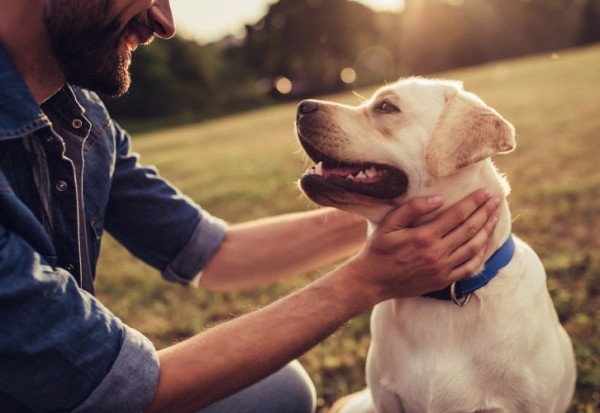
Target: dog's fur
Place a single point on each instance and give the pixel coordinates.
(505, 351)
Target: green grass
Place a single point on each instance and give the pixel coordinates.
(245, 166)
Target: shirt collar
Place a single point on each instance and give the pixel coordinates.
(19, 112)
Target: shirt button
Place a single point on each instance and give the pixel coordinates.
(61, 186)
(76, 123)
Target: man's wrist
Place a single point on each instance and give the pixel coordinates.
(352, 287)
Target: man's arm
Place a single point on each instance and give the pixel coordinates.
(398, 261)
(274, 248)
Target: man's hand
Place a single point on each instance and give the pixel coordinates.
(401, 260)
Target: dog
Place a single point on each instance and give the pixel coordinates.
(494, 348)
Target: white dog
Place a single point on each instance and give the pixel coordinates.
(492, 342)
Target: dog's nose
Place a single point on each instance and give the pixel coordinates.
(307, 106)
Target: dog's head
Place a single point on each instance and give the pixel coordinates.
(412, 138)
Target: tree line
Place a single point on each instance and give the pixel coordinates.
(304, 48)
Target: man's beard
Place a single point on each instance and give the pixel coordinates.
(86, 47)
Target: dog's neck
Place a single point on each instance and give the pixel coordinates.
(486, 176)
(502, 230)
(482, 175)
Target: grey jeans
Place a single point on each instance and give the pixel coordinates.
(290, 390)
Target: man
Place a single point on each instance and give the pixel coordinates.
(67, 173)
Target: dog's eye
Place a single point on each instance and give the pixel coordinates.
(386, 107)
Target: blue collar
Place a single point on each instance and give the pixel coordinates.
(462, 289)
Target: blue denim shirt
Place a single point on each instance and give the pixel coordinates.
(67, 173)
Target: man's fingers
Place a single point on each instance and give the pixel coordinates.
(460, 212)
(480, 220)
(404, 216)
(469, 257)
(468, 268)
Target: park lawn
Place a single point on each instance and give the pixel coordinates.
(245, 166)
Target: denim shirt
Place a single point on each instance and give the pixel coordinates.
(67, 173)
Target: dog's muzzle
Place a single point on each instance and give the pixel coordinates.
(330, 173)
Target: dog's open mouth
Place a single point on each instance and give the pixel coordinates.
(370, 179)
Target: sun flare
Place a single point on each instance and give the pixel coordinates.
(384, 5)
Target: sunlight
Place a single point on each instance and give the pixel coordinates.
(384, 5)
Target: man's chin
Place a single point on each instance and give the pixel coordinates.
(119, 88)
(112, 85)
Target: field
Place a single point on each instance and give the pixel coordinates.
(245, 166)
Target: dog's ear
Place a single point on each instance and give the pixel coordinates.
(467, 132)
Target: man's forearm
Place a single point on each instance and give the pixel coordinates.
(231, 356)
(283, 246)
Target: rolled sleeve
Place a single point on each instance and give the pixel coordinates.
(204, 242)
(156, 222)
(60, 348)
(131, 382)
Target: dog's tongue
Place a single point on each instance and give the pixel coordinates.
(341, 171)
(354, 173)
(371, 180)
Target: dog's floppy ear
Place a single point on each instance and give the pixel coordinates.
(468, 131)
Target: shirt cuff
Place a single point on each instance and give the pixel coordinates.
(205, 240)
(131, 382)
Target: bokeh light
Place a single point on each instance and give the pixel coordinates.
(283, 85)
(348, 75)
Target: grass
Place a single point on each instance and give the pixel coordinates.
(245, 166)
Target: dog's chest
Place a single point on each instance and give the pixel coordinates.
(437, 357)
(435, 360)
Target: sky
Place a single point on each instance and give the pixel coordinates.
(208, 20)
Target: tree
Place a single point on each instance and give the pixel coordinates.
(590, 13)
(182, 80)
(310, 42)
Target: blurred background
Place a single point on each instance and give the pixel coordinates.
(214, 110)
(290, 49)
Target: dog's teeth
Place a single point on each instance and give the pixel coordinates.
(361, 175)
(371, 172)
(316, 169)
(319, 168)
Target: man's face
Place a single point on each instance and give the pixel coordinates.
(92, 40)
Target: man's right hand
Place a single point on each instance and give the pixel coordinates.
(402, 260)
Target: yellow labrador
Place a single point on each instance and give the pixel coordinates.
(490, 343)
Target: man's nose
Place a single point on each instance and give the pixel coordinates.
(162, 19)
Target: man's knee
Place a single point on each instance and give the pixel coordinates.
(290, 390)
(299, 388)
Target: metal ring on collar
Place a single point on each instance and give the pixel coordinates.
(459, 302)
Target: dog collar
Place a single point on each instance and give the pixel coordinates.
(460, 291)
